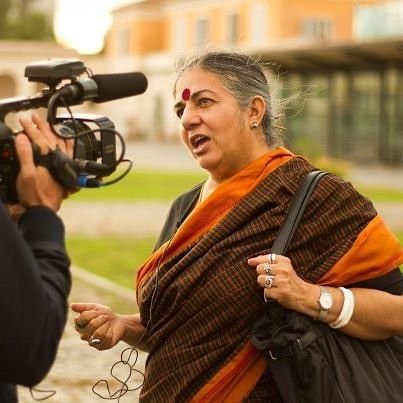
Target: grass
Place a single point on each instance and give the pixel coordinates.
(161, 185)
(143, 185)
(115, 258)
(381, 194)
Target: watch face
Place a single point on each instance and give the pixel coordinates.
(326, 301)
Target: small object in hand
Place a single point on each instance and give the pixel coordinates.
(78, 324)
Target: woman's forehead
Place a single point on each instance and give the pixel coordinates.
(196, 80)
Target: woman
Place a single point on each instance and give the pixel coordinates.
(196, 294)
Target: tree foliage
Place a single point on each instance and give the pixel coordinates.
(19, 22)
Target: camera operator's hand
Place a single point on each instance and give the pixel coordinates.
(35, 185)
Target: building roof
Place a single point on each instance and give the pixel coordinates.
(323, 57)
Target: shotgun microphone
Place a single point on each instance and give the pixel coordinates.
(103, 88)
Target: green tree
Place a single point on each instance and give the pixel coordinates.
(19, 22)
(5, 9)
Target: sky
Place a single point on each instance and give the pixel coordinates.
(82, 24)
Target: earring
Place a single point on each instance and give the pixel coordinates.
(254, 125)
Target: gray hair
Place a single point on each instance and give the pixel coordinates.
(243, 76)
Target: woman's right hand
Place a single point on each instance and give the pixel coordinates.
(103, 329)
(98, 325)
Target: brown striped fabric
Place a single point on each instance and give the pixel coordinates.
(200, 305)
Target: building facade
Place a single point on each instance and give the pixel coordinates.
(339, 86)
(353, 107)
(15, 56)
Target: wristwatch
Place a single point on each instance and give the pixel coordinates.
(325, 303)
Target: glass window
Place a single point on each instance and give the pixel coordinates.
(306, 110)
(378, 20)
(314, 28)
(366, 116)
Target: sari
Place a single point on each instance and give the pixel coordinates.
(198, 297)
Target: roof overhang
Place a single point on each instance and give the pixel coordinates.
(322, 57)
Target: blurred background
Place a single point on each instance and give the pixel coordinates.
(336, 72)
(337, 63)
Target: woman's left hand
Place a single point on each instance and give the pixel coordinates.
(280, 282)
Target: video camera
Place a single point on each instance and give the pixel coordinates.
(69, 82)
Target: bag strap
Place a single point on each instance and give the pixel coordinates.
(295, 211)
(275, 311)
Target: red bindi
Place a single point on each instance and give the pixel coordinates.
(186, 94)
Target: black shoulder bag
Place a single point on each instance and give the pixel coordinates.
(313, 363)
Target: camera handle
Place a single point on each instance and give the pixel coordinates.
(63, 169)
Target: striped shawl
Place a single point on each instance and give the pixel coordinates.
(198, 297)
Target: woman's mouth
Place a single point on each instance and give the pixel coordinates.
(199, 143)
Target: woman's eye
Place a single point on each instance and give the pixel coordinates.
(205, 101)
(179, 113)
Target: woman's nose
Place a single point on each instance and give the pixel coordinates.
(190, 117)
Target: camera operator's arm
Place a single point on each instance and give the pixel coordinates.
(34, 275)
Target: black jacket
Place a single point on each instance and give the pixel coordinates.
(34, 285)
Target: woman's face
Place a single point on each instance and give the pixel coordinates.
(213, 125)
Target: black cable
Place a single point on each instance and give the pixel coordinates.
(103, 171)
(49, 393)
(121, 176)
(124, 382)
(124, 388)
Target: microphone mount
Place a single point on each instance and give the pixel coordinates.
(95, 152)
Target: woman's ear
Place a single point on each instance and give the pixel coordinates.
(257, 109)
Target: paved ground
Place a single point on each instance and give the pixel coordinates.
(78, 366)
(140, 219)
(143, 220)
